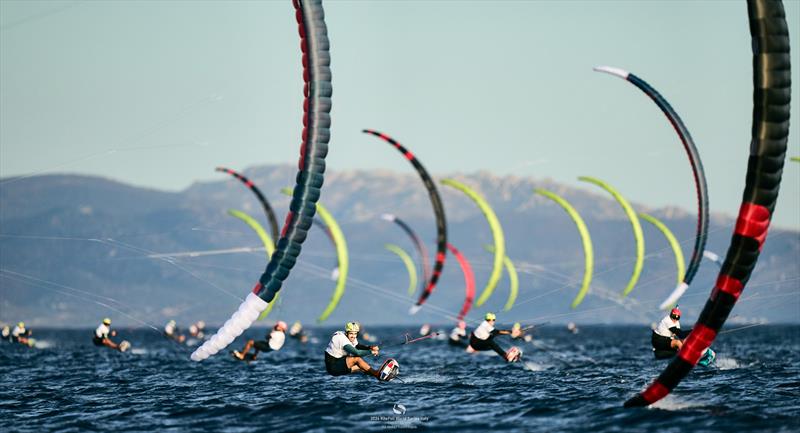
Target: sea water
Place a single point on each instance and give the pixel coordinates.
(564, 383)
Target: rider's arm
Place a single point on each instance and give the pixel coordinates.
(356, 352)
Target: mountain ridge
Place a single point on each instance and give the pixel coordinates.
(71, 240)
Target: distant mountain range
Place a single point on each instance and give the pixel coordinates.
(75, 248)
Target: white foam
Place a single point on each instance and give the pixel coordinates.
(673, 403)
(425, 378)
(42, 344)
(532, 366)
(727, 364)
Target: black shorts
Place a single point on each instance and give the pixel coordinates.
(336, 366)
(660, 342)
(262, 346)
(97, 341)
(487, 344)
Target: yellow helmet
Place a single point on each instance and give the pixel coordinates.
(352, 327)
(490, 316)
(517, 325)
(106, 321)
(21, 324)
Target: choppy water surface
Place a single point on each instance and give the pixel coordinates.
(572, 383)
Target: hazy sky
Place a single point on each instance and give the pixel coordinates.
(157, 94)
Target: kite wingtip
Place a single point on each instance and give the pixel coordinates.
(674, 296)
(612, 71)
(635, 401)
(200, 354)
(414, 309)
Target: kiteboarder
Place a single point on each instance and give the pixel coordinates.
(196, 330)
(425, 329)
(667, 335)
(20, 335)
(101, 337)
(519, 333)
(458, 336)
(482, 338)
(273, 342)
(344, 354)
(572, 327)
(172, 332)
(516, 331)
(296, 332)
(668, 338)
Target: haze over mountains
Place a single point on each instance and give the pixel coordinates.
(74, 249)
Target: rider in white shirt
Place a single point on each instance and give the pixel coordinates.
(482, 338)
(273, 342)
(19, 334)
(172, 332)
(458, 336)
(102, 333)
(344, 355)
(667, 335)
